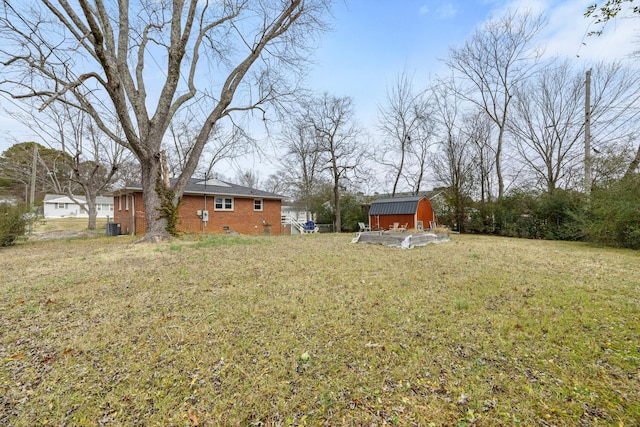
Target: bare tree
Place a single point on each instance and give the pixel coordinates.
(128, 173)
(101, 57)
(420, 152)
(478, 130)
(248, 178)
(548, 124)
(278, 182)
(223, 144)
(303, 159)
(615, 96)
(91, 159)
(496, 59)
(333, 125)
(453, 164)
(403, 124)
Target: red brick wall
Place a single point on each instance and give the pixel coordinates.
(124, 213)
(242, 219)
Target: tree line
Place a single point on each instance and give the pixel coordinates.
(501, 133)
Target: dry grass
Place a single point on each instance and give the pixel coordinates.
(479, 331)
(73, 224)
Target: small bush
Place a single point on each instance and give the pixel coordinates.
(615, 214)
(551, 216)
(561, 215)
(13, 223)
(514, 215)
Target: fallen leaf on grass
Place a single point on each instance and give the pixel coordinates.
(194, 420)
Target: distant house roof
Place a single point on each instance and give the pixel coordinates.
(212, 187)
(61, 198)
(395, 206)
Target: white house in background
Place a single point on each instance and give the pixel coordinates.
(294, 218)
(61, 206)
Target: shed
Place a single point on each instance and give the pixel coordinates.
(415, 211)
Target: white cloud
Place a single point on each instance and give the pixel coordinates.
(424, 9)
(533, 6)
(446, 10)
(566, 32)
(616, 43)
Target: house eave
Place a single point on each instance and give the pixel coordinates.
(214, 192)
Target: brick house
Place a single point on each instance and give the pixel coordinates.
(210, 206)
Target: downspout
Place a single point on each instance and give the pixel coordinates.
(133, 214)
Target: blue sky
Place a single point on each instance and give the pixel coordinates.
(372, 41)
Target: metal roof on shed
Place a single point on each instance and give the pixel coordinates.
(395, 206)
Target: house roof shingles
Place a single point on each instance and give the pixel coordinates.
(395, 206)
(213, 187)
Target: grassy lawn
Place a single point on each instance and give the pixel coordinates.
(57, 224)
(313, 330)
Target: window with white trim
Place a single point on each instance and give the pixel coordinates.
(223, 204)
(120, 202)
(61, 206)
(126, 203)
(257, 204)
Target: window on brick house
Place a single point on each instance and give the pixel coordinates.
(223, 204)
(257, 204)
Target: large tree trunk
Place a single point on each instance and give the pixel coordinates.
(499, 163)
(159, 208)
(91, 210)
(336, 201)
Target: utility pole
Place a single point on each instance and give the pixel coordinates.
(587, 135)
(34, 164)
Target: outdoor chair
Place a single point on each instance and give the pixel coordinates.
(363, 227)
(310, 227)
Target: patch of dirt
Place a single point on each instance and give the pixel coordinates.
(63, 234)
